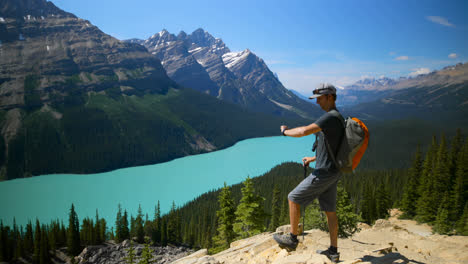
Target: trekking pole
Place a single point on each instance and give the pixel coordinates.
(303, 208)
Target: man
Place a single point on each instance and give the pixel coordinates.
(323, 181)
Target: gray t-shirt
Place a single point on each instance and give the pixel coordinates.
(333, 128)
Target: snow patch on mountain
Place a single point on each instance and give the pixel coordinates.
(195, 50)
(285, 106)
(230, 59)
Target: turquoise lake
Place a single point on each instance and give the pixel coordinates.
(49, 197)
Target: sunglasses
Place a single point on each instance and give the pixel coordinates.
(317, 91)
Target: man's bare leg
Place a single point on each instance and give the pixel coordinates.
(294, 216)
(332, 227)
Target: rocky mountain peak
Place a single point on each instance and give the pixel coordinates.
(202, 38)
(205, 63)
(182, 35)
(161, 38)
(32, 8)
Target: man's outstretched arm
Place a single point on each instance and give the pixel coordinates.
(301, 131)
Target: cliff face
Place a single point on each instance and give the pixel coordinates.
(58, 49)
(388, 241)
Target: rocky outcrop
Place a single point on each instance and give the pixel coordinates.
(389, 241)
(116, 253)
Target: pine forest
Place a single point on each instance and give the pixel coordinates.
(433, 190)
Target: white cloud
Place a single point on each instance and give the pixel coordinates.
(419, 71)
(402, 58)
(453, 55)
(440, 20)
(363, 77)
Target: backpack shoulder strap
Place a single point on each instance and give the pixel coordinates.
(336, 114)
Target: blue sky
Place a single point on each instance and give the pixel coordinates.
(305, 42)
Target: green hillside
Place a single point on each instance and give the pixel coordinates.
(104, 131)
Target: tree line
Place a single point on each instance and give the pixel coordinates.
(437, 189)
(36, 244)
(433, 190)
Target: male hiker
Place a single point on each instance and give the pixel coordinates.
(322, 182)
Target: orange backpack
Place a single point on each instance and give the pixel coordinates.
(353, 144)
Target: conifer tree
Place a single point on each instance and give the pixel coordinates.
(125, 232)
(19, 251)
(163, 232)
(284, 212)
(118, 226)
(348, 220)
(44, 256)
(368, 208)
(53, 236)
(441, 172)
(410, 194)
(442, 224)
(148, 226)
(3, 244)
(172, 224)
(455, 148)
(28, 239)
(425, 210)
(37, 242)
(462, 224)
(250, 214)
(383, 202)
(132, 227)
(191, 232)
(130, 258)
(13, 240)
(156, 236)
(102, 230)
(315, 218)
(460, 189)
(146, 255)
(73, 233)
(225, 217)
(111, 234)
(275, 209)
(63, 234)
(98, 240)
(139, 231)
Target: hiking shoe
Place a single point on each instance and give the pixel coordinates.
(286, 241)
(333, 256)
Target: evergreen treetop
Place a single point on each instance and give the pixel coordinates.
(250, 214)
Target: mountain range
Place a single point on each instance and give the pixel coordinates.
(76, 100)
(441, 94)
(205, 63)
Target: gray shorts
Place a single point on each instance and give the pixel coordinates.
(319, 184)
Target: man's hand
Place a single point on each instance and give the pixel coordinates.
(283, 128)
(307, 160)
